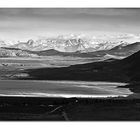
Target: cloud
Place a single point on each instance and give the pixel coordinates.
(69, 11)
(62, 20)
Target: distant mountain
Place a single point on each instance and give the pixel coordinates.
(23, 45)
(75, 46)
(125, 50)
(53, 52)
(50, 52)
(64, 45)
(118, 51)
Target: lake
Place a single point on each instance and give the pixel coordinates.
(81, 89)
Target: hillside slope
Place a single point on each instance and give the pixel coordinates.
(125, 70)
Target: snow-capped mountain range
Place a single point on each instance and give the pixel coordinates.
(71, 43)
(68, 44)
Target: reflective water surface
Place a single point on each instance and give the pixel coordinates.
(62, 89)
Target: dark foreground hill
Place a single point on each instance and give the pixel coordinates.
(125, 70)
(103, 71)
(132, 66)
(99, 71)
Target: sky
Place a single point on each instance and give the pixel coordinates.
(26, 23)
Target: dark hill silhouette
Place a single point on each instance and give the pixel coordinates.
(126, 70)
(6, 48)
(53, 52)
(132, 66)
(48, 52)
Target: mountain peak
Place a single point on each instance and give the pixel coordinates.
(30, 42)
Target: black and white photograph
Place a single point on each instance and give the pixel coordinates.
(69, 64)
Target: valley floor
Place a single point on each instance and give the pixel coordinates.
(70, 109)
(11, 67)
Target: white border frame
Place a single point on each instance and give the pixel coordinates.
(61, 130)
